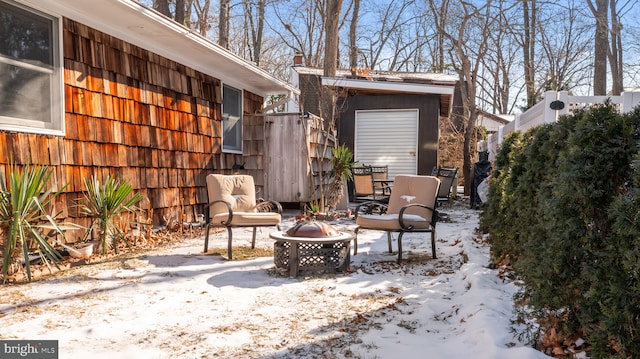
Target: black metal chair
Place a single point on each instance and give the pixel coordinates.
(381, 183)
(365, 187)
(447, 177)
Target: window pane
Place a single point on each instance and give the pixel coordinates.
(231, 119)
(25, 93)
(25, 36)
(30, 73)
(231, 101)
(232, 127)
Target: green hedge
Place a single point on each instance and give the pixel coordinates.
(564, 210)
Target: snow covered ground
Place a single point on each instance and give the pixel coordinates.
(176, 302)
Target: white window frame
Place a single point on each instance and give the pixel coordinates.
(56, 124)
(238, 133)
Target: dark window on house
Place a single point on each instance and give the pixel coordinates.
(231, 119)
(30, 73)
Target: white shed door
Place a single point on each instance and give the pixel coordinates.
(387, 137)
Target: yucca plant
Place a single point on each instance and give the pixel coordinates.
(342, 160)
(104, 203)
(25, 222)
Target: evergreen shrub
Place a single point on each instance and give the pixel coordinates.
(564, 208)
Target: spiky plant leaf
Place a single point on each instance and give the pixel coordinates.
(104, 203)
(24, 217)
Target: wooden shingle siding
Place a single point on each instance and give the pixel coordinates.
(138, 116)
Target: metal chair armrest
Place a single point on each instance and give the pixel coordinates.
(434, 215)
(266, 205)
(229, 210)
(370, 206)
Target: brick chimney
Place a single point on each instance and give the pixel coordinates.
(297, 59)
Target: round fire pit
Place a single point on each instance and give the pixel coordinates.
(312, 229)
(312, 246)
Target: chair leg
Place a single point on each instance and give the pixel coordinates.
(433, 244)
(229, 254)
(206, 237)
(400, 247)
(253, 240)
(389, 240)
(355, 241)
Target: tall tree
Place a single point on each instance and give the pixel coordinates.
(202, 16)
(529, 19)
(254, 28)
(353, 32)
(180, 12)
(180, 9)
(163, 7)
(614, 53)
(467, 33)
(600, 12)
(389, 34)
(504, 54)
(302, 29)
(563, 43)
(331, 21)
(608, 45)
(440, 62)
(223, 23)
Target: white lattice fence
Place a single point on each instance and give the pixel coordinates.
(554, 105)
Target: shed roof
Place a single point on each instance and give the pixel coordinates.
(388, 76)
(144, 27)
(392, 82)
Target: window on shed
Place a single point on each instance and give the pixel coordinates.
(231, 119)
(30, 71)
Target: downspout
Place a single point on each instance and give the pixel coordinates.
(277, 103)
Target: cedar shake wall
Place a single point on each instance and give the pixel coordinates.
(137, 116)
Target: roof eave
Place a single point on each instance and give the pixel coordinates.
(444, 91)
(388, 86)
(146, 28)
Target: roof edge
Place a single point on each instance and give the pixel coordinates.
(391, 86)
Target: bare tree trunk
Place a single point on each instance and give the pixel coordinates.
(442, 15)
(223, 24)
(254, 33)
(463, 54)
(529, 24)
(202, 13)
(332, 18)
(469, 111)
(353, 29)
(249, 29)
(188, 11)
(162, 6)
(257, 44)
(601, 47)
(615, 52)
(179, 16)
(328, 97)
